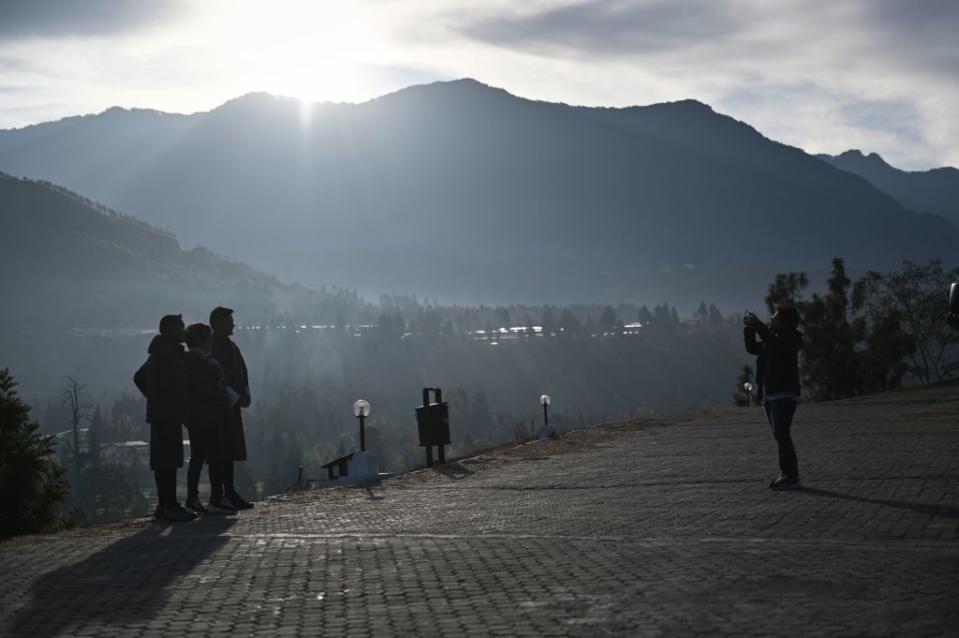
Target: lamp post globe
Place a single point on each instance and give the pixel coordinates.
(545, 401)
(361, 408)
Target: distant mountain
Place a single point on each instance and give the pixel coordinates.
(465, 192)
(933, 191)
(71, 263)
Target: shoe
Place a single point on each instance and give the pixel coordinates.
(195, 505)
(239, 502)
(221, 506)
(785, 483)
(177, 514)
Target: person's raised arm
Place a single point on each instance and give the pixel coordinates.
(762, 330)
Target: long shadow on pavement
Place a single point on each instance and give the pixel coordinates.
(124, 583)
(944, 511)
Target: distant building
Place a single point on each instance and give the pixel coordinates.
(125, 452)
(64, 440)
(634, 328)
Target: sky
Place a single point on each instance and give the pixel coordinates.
(877, 75)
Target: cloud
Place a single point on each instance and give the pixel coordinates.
(24, 19)
(608, 27)
(898, 118)
(880, 75)
(922, 34)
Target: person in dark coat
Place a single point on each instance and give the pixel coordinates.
(162, 380)
(777, 376)
(237, 379)
(208, 396)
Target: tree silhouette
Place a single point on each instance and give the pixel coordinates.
(914, 299)
(715, 316)
(79, 414)
(786, 288)
(31, 482)
(702, 313)
(644, 316)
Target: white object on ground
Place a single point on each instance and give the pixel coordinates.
(363, 468)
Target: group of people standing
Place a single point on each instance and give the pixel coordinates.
(204, 388)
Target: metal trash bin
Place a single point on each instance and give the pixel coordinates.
(433, 424)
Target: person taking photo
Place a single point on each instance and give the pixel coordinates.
(778, 386)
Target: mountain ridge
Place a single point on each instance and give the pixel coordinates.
(933, 191)
(465, 192)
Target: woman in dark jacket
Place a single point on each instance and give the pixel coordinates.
(162, 380)
(208, 396)
(777, 375)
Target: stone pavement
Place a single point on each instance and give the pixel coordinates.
(654, 527)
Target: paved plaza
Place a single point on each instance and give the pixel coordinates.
(656, 527)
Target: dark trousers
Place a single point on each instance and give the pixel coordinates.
(227, 474)
(223, 486)
(221, 463)
(779, 413)
(203, 440)
(166, 486)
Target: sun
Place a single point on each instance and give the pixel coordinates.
(314, 50)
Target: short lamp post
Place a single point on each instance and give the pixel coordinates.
(361, 410)
(748, 387)
(547, 432)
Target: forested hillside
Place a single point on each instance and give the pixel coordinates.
(72, 263)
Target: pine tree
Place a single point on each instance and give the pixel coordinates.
(831, 366)
(702, 313)
(837, 299)
(31, 482)
(715, 316)
(786, 288)
(644, 316)
(608, 320)
(661, 316)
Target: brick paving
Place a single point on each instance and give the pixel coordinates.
(657, 527)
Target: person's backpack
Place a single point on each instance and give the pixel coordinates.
(140, 378)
